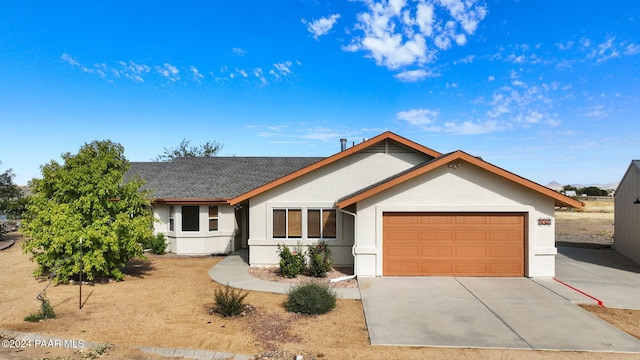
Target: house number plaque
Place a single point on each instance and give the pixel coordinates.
(544, 221)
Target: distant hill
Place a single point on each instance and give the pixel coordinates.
(554, 185)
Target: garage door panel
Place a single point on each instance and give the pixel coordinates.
(500, 268)
(506, 235)
(475, 235)
(436, 251)
(430, 235)
(401, 268)
(405, 236)
(403, 251)
(465, 268)
(435, 220)
(506, 251)
(453, 244)
(471, 251)
(437, 268)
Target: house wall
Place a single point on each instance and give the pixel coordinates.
(465, 189)
(200, 242)
(321, 189)
(626, 238)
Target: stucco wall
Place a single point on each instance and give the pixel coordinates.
(626, 238)
(465, 189)
(197, 242)
(320, 189)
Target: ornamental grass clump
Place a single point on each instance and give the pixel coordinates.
(311, 298)
(291, 262)
(229, 302)
(320, 261)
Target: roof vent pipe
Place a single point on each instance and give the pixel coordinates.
(343, 144)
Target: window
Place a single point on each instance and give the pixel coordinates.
(213, 218)
(287, 223)
(190, 218)
(171, 218)
(321, 223)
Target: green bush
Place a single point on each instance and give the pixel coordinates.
(311, 298)
(291, 262)
(320, 261)
(229, 302)
(157, 244)
(46, 311)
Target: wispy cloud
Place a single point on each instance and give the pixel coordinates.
(415, 75)
(197, 76)
(397, 33)
(239, 51)
(518, 105)
(418, 117)
(321, 26)
(141, 73)
(169, 72)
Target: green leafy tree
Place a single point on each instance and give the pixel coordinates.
(11, 199)
(208, 149)
(10, 193)
(593, 191)
(87, 198)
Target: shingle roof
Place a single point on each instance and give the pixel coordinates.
(213, 177)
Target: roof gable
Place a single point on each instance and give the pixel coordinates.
(451, 159)
(383, 139)
(634, 166)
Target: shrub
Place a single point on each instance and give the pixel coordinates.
(46, 311)
(158, 244)
(320, 260)
(229, 302)
(291, 263)
(311, 298)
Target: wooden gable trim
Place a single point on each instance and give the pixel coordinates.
(331, 159)
(455, 156)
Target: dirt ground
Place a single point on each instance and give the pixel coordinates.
(165, 302)
(591, 225)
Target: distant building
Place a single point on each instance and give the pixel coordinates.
(627, 212)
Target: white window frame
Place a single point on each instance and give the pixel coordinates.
(172, 218)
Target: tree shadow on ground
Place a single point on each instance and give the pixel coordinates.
(138, 268)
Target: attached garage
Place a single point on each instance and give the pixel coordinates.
(453, 244)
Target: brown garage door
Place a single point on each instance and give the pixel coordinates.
(453, 244)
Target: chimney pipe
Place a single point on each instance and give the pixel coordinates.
(343, 144)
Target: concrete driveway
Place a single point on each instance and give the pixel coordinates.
(487, 313)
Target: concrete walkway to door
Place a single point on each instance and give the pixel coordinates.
(482, 312)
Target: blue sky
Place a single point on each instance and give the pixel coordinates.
(549, 90)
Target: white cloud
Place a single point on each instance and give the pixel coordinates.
(397, 33)
(197, 76)
(632, 49)
(69, 59)
(491, 78)
(415, 75)
(239, 51)
(321, 26)
(418, 117)
(169, 71)
(597, 111)
(281, 69)
(470, 127)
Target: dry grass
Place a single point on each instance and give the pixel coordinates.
(165, 302)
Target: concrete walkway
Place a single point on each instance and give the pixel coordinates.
(602, 273)
(482, 312)
(5, 244)
(234, 271)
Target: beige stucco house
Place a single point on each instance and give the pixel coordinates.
(626, 238)
(388, 206)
